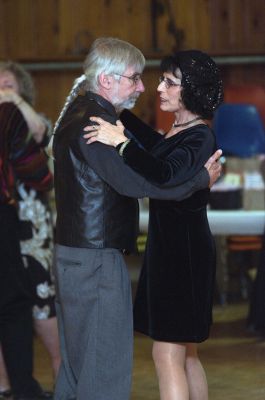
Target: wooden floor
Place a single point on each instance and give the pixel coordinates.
(233, 359)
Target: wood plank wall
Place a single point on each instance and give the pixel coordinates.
(62, 30)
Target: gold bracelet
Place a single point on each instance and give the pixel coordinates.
(124, 144)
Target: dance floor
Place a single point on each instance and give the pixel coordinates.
(233, 359)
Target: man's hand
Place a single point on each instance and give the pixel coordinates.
(214, 167)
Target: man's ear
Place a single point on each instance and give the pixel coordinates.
(105, 80)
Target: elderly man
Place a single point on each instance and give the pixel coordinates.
(97, 222)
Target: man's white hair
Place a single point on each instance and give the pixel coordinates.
(111, 56)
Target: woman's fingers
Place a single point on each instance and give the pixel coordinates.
(90, 128)
(97, 119)
(91, 140)
(90, 134)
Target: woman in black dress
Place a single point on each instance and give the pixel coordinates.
(173, 303)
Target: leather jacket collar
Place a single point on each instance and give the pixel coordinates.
(102, 102)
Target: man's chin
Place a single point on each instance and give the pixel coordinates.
(129, 104)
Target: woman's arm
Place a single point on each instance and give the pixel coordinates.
(107, 163)
(28, 160)
(142, 132)
(130, 126)
(35, 122)
(179, 165)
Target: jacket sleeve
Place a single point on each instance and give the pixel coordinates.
(107, 163)
(28, 160)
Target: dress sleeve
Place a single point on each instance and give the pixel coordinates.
(182, 163)
(107, 163)
(146, 136)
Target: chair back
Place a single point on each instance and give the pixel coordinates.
(239, 130)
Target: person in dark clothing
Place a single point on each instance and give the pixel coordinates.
(173, 303)
(20, 158)
(97, 222)
(256, 312)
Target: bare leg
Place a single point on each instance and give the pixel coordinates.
(196, 377)
(47, 330)
(169, 359)
(4, 381)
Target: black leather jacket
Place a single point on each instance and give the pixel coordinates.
(94, 188)
(89, 212)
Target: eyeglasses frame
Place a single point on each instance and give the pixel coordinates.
(168, 82)
(135, 78)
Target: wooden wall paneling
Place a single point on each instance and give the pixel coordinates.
(185, 16)
(202, 19)
(46, 29)
(236, 14)
(238, 26)
(145, 106)
(28, 29)
(161, 43)
(3, 41)
(190, 16)
(118, 19)
(64, 29)
(254, 20)
(200, 37)
(220, 25)
(13, 27)
(243, 74)
(139, 24)
(52, 89)
(80, 23)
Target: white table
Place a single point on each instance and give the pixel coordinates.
(223, 223)
(234, 222)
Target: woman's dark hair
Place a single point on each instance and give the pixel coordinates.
(202, 88)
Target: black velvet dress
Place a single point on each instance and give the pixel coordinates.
(175, 293)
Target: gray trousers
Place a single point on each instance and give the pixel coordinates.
(94, 309)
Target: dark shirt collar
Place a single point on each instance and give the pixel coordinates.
(102, 102)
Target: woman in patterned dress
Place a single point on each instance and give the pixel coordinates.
(36, 233)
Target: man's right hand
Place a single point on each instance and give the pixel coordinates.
(214, 167)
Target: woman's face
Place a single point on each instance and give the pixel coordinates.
(169, 89)
(8, 81)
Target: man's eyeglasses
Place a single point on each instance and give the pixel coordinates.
(136, 78)
(168, 82)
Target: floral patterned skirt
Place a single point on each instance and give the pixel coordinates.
(37, 247)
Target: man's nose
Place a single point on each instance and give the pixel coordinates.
(140, 86)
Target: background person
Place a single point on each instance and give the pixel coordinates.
(36, 232)
(17, 149)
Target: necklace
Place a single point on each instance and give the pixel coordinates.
(185, 123)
